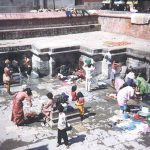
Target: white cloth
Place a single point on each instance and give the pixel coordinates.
(88, 71)
(62, 121)
(140, 18)
(130, 75)
(124, 95)
(88, 76)
(108, 57)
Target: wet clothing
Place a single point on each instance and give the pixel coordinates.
(142, 85)
(17, 108)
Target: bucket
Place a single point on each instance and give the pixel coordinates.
(148, 119)
(88, 61)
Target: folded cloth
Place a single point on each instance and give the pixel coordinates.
(140, 18)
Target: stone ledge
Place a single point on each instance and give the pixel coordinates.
(47, 31)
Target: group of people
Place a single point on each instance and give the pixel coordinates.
(13, 67)
(18, 116)
(127, 82)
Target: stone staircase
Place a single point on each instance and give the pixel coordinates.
(33, 27)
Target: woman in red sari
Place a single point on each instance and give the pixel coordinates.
(17, 109)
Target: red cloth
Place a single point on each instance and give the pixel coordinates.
(74, 96)
(17, 109)
(80, 74)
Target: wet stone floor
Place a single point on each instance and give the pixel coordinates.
(94, 132)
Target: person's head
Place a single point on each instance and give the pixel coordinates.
(79, 94)
(60, 108)
(7, 61)
(74, 88)
(6, 70)
(50, 95)
(133, 85)
(89, 65)
(28, 91)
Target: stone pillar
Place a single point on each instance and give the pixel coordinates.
(41, 3)
(40, 64)
(52, 66)
(104, 68)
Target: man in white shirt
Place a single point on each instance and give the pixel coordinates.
(89, 68)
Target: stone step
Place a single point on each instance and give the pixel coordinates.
(47, 31)
(45, 22)
(55, 114)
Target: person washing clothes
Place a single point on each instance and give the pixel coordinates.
(124, 94)
(89, 69)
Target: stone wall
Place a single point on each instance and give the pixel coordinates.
(15, 21)
(93, 4)
(123, 25)
(12, 6)
(33, 25)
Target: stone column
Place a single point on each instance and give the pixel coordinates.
(41, 3)
(52, 66)
(40, 64)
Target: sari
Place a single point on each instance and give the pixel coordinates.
(17, 108)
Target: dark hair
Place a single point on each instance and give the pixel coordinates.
(89, 65)
(74, 88)
(133, 85)
(79, 94)
(60, 108)
(49, 95)
(29, 91)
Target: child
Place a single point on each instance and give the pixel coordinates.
(73, 93)
(62, 134)
(80, 104)
(47, 107)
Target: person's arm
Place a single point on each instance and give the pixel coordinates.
(29, 101)
(49, 105)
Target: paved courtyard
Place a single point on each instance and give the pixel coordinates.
(93, 133)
